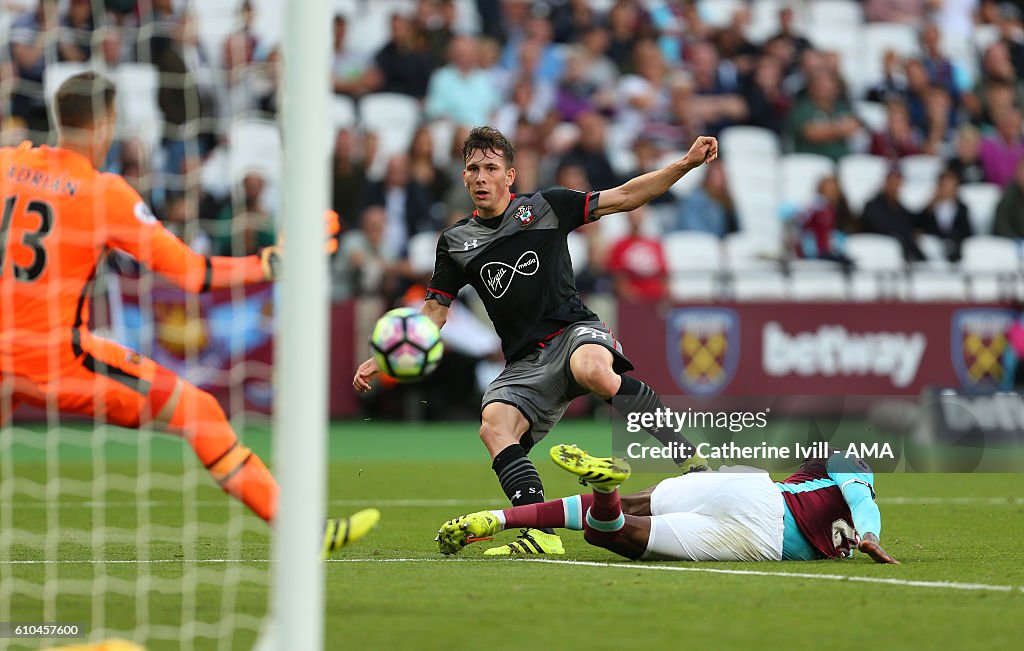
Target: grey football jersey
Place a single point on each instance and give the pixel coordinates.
(519, 265)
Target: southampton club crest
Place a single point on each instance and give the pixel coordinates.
(978, 347)
(703, 348)
(524, 214)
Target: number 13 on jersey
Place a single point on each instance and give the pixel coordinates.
(32, 236)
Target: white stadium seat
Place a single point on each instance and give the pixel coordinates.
(343, 112)
(138, 110)
(989, 253)
(760, 286)
(750, 251)
(873, 252)
(748, 141)
(254, 145)
(921, 167)
(818, 286)
(877, 38)
(846, 41)
(800, 174)
(693, 286)
(578, 252)
(54, 74)
(719, 13)
(835, 12)
(934, 249)
(981, 200)
(927, 285)
(916, 195)
(691, 250)
(422, 248)
(872, 114)
(861, 176)
(394, 118)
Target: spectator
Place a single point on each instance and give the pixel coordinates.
(966, 162)
(180, 216)
(350, 70)
(1009, 221)
(461, 91)
(77, 27)
(525, 105)
(637, 264)
(600, 70)
(731, 43)
(246, 224)
(537, 35)
(647, 154)
(643, 95)
(627, 23)
(240, 46)
(589, 152)
(34, 41)
(677, 129)
(821, 123)
(157, 24)
(364, 264)
(788, 35)
(899, 139)
(893, 85)
(908, 12)
(939, 68)
(111, 51)
(946, 216)
(575, 93)
(997, 88)
(1001, 150)
(435, 20)
(769, 106)
(423, 169)
(406, 202)
(349, 177)
(823, 224)
(918, 87)
(717, 87)
(403, 64)
(572, 19)
(709, 208)
(885, 215)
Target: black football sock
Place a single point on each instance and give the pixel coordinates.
(633, 397)
(518, 477)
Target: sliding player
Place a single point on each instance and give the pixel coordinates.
(513, 251)
(58, 217)
(823, 510)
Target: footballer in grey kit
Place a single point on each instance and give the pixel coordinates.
(513, 251)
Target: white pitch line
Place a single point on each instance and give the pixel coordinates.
(947, 585)
(431, 502)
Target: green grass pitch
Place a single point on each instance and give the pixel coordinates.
(394, 591)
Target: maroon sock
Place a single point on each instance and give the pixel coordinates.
(551, 514)
(607, 507)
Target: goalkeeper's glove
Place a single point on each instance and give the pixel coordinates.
(270, 256)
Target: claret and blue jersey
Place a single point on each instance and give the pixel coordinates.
(828, 504)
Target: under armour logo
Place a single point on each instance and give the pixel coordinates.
(472, 244)
(594, 334)
(497, 276)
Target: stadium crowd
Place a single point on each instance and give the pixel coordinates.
(836, 117)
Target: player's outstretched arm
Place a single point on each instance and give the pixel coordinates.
(368, 370)
(642, 189)
(871, 546)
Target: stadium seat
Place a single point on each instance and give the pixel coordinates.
(269, 21)
(873, 252)
(138, 111)
(690, 250)
(215, 21)
(56, 73)
(757, 142)
(764, 20)
(693, 179)
(934, 249)
(394, 118)
(915, 195)
(693, 286)
(835, 12)
(871, 114)
(254, 145)
(613, 227)
(868, 286)
(422, 247)
(467, 18)
(751, 251)
(846, 41)
(759, 286)
(372, 23)
(877, 38)
(442, 132)
(343, 112)
(861, 176)
(921, 167)
(984, 36)
(818, 286)
(990, 253)
(578, 252)
(981, 200)
(799, 176)
(719, 13)
(928, 285)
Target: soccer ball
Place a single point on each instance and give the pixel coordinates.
(406, 345)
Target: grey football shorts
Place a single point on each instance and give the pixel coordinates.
(541, 384)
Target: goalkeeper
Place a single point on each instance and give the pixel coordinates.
(59, 217)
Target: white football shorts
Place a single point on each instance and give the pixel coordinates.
(733, 514)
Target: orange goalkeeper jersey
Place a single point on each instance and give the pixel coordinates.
(58, 215)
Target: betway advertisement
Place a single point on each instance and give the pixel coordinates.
(817, 348)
